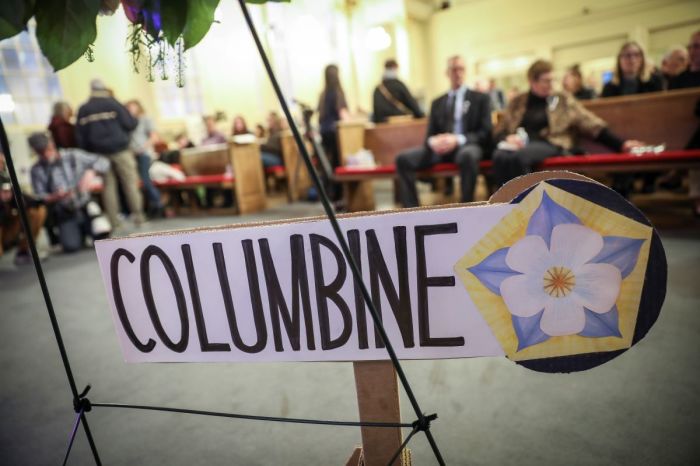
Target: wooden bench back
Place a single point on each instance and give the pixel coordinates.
(655, 118)
(205, 160)
(244, 160)
(384, 140)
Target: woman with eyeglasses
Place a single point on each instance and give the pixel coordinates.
(545, 123)
(632, 74)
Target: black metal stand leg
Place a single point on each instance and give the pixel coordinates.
(24, 219)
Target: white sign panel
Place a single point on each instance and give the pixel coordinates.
(283, 292)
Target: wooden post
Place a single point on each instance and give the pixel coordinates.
(249, 176)
(378, 401)
(298, 179)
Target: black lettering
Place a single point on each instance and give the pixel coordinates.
(197, 305)
(378, 272)
(119, 302)
(149, 252)
(300, 292)
(258, 317)
(424, 281)
(360, 312)
(325, 292)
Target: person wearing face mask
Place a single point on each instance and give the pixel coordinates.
(543, 123)
(632, 75)
(392, 97)
(61, 179)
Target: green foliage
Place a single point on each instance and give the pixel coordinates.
(65, 29)
(14, 15)
(174, 14)
(200, 15)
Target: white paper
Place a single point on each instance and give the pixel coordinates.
(451, 311)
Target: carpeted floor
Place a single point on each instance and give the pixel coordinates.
(639, 409)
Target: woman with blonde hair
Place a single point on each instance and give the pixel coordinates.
(632, 74)
(573, 84)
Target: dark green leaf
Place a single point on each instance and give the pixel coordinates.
(200, 15)
(14, 15)
(65, 28)
(173, 17)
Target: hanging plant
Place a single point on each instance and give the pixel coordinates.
(66, 29)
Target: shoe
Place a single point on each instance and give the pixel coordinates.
(671, 181)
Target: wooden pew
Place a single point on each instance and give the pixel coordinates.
(208, 166)
(385, 141)
(655, 118)
(295, 172)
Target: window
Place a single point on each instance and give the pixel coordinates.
(28, 85)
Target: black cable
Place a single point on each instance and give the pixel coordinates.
(71, 439)
(403, 445)
(338, 232)
(251, 417)
(21, 207)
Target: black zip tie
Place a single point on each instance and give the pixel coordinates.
(22, 208)
(423, 425)
(254, 417)
(338, 232)
(82, 404)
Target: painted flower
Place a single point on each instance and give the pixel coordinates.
(560, 279)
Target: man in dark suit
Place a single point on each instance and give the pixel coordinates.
(458, 131)
(392, 97)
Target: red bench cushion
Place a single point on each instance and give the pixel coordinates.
(550, 163)
(275, 170)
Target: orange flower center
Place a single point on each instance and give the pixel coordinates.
(558, 282)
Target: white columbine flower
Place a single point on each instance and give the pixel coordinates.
(559, 279)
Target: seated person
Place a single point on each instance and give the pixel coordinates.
(271, 150)
(10, 225)
(61, 179)
(573, 84)
(458, 131)
(690, 77)
(259, 131)
(214, 136)
(674, 62)
(543, 123)
(239, 126)
(632, 75)
(392, 97)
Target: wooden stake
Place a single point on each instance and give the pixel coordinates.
(378, 401)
